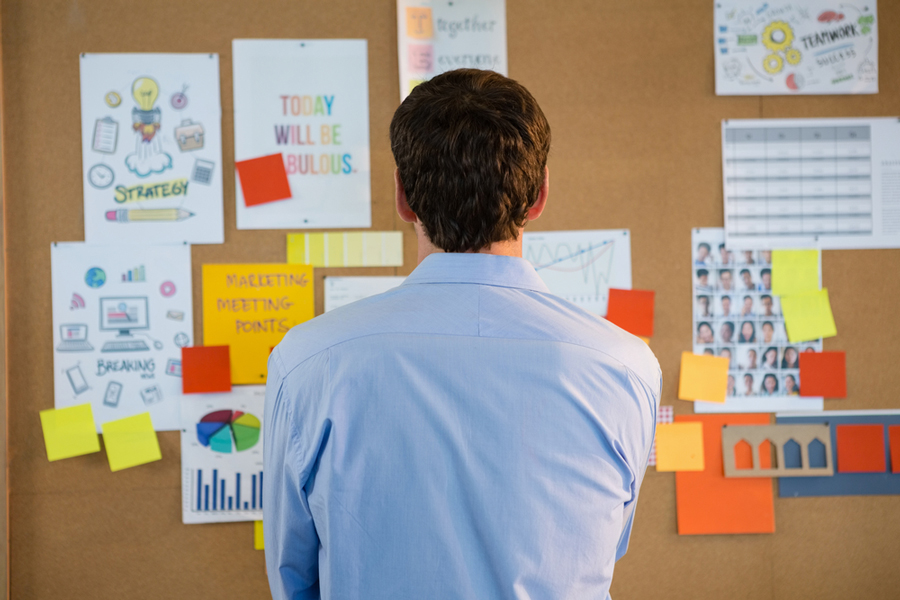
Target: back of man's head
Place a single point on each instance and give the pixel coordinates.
(471, 148)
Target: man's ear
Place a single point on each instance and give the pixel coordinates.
(535, 211)
(406, 214)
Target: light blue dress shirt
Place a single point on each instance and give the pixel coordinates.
(465, 435)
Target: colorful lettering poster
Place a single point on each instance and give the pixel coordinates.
(250, 307)
(151, 148)
(434, 37)
(805, 47)
(222, 456)
(737, 316)
(307, 101)
(121, 315)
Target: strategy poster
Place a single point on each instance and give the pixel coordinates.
(805, 47)
(301, 116)
(121, 315)
(151, 147)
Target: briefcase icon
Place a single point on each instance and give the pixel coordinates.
(189, 135)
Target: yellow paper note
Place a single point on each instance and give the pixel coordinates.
(794, 271)
(703, 377)
(346, 249)
(69, 431)
(646, 340)
(130, 442)
(418, 22)
(808, 316)
(250, 308)
(679, 447)
(259, 542)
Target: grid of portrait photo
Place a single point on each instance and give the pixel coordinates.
(737, 316)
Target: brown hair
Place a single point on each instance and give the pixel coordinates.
(471, 147)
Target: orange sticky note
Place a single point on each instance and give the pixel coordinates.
(703, 377)
(894, 437)
(632, 310)
(263, 179)
(205, 369)
(823, 374)
(860, 449)
(709, 503)
(679, 447)
(418, 22)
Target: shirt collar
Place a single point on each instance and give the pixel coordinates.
(482, 269)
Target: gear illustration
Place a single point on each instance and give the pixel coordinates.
(792, 55)
(777, 36)
(773, 64)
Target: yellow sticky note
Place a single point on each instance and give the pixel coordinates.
(346, 249)
(703, 377)
(646, 340)
(794, 271)
(418, 22)
(130, 442)
(259, 542)
(808, 316)
(679, 447)
(250, 307)
(69, 431)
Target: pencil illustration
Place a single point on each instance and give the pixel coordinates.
(156, 214)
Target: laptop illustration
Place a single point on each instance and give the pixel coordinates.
(74, 338)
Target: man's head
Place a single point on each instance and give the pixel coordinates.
(471, 150)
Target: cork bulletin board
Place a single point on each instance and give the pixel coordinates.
(628, 89)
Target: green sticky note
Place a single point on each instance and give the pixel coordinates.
(808, 316)
(795, 271)
(130, 442)
(69, 432)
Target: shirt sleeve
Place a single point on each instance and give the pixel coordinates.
(291, 541)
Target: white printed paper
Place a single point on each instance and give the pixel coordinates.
(309, 101)
(825, 183)
(340, 291)
(151, 128)
(581, 266)
(121, 315)
(805, 47)
(434, 37)
(737, 316)
(222, 456)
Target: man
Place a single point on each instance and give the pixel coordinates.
(747, 278)
(766, 301)
(702, 284)
(467, 434)
(703, 256)
(726, 306)
(725, 280)
(765, 277)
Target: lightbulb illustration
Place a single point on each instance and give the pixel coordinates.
(148, 156)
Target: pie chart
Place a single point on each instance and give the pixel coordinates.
(228, 431)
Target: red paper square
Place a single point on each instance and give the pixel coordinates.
(205, 369)
(894, 438)
(860, 449)
(823, 374)
(263, 179)
(632, 310)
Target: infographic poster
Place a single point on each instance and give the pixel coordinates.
(121, 315)
(151, 148)
(222, 456)
(805, 47)
(434, 37)
(301, 134)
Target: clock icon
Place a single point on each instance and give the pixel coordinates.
(101, 176)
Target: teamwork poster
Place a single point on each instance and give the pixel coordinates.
(434, 37)
(121, 315)
(737, 316)
(805, 47)
(222, 456)
(307, 101)
(151, 146)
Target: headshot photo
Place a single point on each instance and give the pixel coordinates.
(748, 333)
(747, 307)
(748, 384)
(725, 302)
(727, 353)
(726, 332)
(702, 283)
(725, 257)
(765, 257)
(704, 333)
(726, 280)
(730, 390)
(765, 280)
(703, 254)
(747, 283)
(766, 306)
(769, 385)
(770, 358)
(790, 385)
(791, 359)
(747, 257)
(702, 307)
(767, 331)
(708, 352)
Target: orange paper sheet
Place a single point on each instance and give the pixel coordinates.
(708, 502)
(205, 369)
(632, 310)
(263, 179)
(703, 377)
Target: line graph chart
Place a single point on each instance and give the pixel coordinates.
(581, 266)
